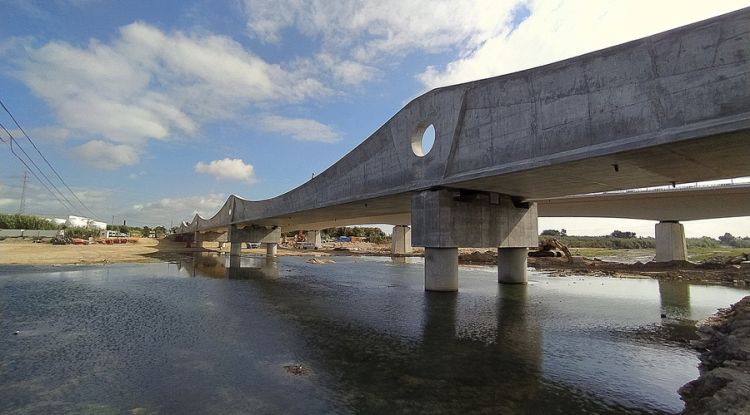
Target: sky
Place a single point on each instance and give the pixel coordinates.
(152, 111)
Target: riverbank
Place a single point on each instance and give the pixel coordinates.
(26, 252)
(724, 383)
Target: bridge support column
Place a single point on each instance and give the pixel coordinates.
(401, 240)
(235, 241)
(445, 219)
(441, 269)
(268, 235)
(197, 240)
(511, 265)
(314, 237)
(271, 249)
(670, 242)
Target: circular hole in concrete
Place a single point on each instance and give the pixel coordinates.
(423, 140)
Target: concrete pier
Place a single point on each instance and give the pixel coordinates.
(440, 269)
(511, 265)
(271, 249)
(401, 240)
(445, 219)
(314, 237)
(670, 242)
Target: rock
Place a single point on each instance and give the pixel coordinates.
(320, 261)
(296, 369)
(724, 382)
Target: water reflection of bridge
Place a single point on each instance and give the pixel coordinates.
(458, 359)
(209, 264)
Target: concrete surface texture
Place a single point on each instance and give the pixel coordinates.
(511, 265)
(401, 240)
(670, 242)
(673, 107)
(441, 269)
(680, 204)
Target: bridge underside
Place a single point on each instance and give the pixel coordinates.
(717, 157)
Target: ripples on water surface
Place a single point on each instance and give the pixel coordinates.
(197, 338)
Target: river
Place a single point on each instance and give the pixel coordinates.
(356, 336)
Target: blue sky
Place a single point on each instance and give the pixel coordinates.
(147, 105)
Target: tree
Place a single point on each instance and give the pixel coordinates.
(727, 238)
(621, 234)
(551, 232)
(563, 232)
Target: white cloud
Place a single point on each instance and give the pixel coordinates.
(345, 71)
(371, 28)
(105, 155)
(301, 129)
(166, 209)
(148, 84)
(559, 29)
(53, 134)
(233, 169)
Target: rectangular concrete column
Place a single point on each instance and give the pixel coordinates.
(670, 242)
(271, 249)
(197, 240)
(314, 237)
(511, 265)
(235, 246)
(401, 240)
(440, 269)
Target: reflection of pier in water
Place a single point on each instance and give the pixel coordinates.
(675, 299)
(449, 354)
(509, 368)
(210, 265)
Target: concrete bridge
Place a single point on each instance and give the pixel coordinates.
(670, 108)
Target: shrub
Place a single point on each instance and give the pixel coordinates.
(16, 221)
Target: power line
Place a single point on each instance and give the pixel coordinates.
(32, 171)
(45, 159)
(12, 139)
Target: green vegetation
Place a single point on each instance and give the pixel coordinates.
(701, 254)
(30, 222)
(372, 234)
(609, 242)
(699, 249)
(83, 233)
(15, 221)
(737, 242)
(356, 231)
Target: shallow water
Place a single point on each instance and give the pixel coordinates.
(198, 338)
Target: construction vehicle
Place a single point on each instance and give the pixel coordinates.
(553, 243)
(546, 247)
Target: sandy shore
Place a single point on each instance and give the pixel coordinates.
(26, 252)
